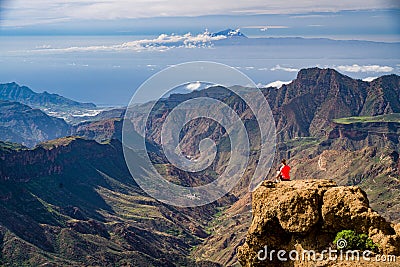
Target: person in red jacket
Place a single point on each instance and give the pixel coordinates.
(284, 172)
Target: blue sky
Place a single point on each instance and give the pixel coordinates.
(25, 12)
(358, 19)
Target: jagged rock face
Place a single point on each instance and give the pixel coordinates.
(306, 215)
(315, 97)
(359, 135)
(383, 96)
(307, 105)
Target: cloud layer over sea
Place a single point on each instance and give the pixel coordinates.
(108, 69)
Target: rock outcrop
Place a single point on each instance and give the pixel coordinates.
(306, 215)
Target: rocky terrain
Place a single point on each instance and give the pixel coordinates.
(363, 152)
(21, 124)
(306, 215)
(307, 105)
(72, 202)
(329, 126)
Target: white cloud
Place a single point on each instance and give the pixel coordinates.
(278, 67)
(162, 43)
(193, 86)
(277, 84)
(364, 68)
(369, 79)
(24, 12)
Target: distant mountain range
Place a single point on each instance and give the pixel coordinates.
(24, 95)
(71, 201)
(53, 105)
(304, 107)
(229, 33)
(20, 123)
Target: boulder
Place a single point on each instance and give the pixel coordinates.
(306, 215)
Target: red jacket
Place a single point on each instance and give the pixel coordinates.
(285, 170)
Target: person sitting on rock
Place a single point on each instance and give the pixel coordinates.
(284, 172)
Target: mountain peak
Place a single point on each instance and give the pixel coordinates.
(229, 33)
(316, 70)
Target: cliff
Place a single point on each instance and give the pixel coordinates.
(307, 215)
(100, 131)
(51, 158)
(357, 135)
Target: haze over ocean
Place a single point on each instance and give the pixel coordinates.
(110, 77)
(95, 58)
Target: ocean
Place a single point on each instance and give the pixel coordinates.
(106, 70)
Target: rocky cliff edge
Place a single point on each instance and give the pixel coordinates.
(306, 215)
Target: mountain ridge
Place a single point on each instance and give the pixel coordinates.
(20, 123)
(23, 94)
(72, 202)
(301, 109)
(307, 105)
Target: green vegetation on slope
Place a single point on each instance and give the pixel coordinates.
(91, 212)
(8, 146)
(393, 117)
